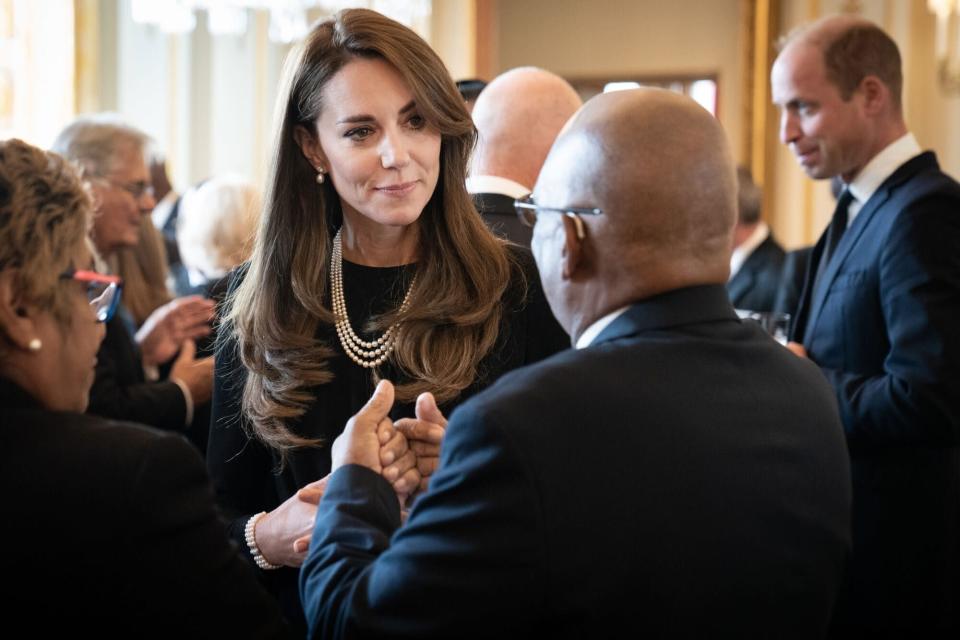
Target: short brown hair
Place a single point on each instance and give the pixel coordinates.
(851, 54)
(45, 214)
(861, 51)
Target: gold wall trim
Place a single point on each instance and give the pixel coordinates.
(86, 59)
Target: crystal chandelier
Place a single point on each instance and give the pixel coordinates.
(288, 18)
(948, 42)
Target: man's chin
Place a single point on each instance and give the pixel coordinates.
(817, 173)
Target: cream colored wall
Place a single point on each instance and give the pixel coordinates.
(802, 207)
(575, 38)
(452, 35)
(933, 116)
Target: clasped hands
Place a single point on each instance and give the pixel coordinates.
(405, 453)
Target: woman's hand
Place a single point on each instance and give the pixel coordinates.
(283, 535)
(166, 329)
(425, 435)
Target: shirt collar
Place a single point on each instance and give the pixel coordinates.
(741, 253)
(496, 184)
(882, 166)
(594, 329)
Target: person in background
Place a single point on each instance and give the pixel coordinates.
(117, 531)
(469, 89)
(677, 475)
(112, 157)
(370, 261)
(757, 260)
(518, 116)
(143, 269)
(879, 314)
(215, 232)
(217, 222)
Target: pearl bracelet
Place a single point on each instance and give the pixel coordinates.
(248, 533)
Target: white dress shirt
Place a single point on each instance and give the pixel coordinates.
(594, 329)
(748, 246)
(881, 167)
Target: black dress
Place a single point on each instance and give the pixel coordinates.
(247, 474)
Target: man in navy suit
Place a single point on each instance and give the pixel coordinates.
(880, 314)
(757, 260)
(679, 474)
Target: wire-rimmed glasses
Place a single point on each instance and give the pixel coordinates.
(527, 209)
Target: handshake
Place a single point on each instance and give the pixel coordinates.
(405, 453)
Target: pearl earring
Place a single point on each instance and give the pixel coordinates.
(35, 345)
(320, 175)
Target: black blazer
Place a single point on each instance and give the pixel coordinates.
(754, 287)
(684, 476)
(501, 216)
(885, 329)
(120, 390)
(110, 530)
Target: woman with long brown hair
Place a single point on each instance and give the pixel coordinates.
(370, 262)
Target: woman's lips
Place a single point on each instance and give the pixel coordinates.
(397, 190)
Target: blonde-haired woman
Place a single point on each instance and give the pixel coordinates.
(370, 262)
(112, 528)
(215, 227)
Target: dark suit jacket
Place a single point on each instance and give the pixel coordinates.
(755, 285)
(885, 330)
(792, 280)
(120, 390)
(110, 530)
(500, 215)
(685, 476)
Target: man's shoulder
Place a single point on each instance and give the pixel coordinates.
(925, 178)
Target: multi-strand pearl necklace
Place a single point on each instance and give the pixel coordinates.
(367, 354)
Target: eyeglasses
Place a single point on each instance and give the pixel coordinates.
(103, 291)
(527, 210)
(136, 189)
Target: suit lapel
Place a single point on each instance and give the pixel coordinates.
(800, 323)
(864, 219)
(741, 283)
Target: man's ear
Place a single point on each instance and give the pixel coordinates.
(310, 147)
(17, 317)
(574, 232)
(876, 94)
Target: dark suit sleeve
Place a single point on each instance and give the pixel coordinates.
(468, 559)
(205, 578)
(119, 391)
(915, 401)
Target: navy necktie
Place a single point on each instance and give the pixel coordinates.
(838, 225)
